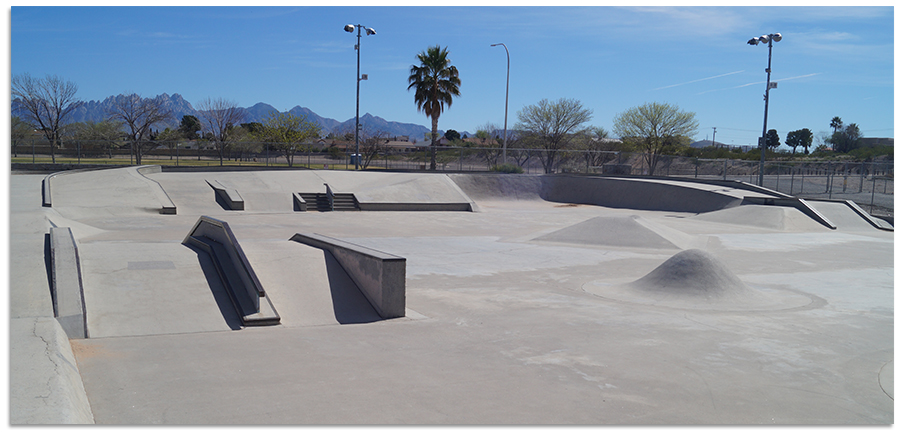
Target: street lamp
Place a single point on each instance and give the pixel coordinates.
(763, 143)
(506, 107)
(369, 32)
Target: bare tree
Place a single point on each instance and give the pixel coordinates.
(550, 126)
(371, 144)
(45, 102)
(218, 117)
(489, 146)
(139, 115)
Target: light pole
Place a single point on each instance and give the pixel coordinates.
(506, 107)
(763, 143)
(369, 32)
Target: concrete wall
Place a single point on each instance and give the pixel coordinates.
(66, 287)
(380, 276)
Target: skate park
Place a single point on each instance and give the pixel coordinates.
(305, 297)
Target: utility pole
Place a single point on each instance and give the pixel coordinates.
(714, 137)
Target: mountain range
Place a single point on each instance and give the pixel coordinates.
(179, 107)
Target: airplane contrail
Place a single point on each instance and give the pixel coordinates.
(760, 82)
(698, 80)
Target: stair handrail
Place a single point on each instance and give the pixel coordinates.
(330, 195)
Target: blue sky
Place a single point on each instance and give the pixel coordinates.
(832, 61)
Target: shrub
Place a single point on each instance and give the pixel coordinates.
(508, 168)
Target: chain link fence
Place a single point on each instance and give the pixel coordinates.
(869, 184)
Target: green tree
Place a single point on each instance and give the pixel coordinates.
(772, 140)
(550, 126)
(852, 134)
(793, 140)
(106, 134)
(452, 135)
(45, 102)
(435, 82)
(801, 137)
(655, 129)
(288, 133)
(190, 126)
(19, 130)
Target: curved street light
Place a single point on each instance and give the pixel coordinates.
(369, 32)
(506, 107)
(763, 143)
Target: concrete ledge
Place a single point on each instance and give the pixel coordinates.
(66, 288)
(246, 292)
(380, 276)
(45, 386)
(415, 207)
(167, 207)
(797, 203)
(230, 196)
(299, 203)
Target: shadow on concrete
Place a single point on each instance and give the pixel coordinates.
(48, 265)
(350, 305)
(221, 201)
(217, 288)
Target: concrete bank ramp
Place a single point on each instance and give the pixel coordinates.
(614, 192)
(496, 186)
(845, 217)
(764, 216)
(307, 285)
(400, 191)
(623, 231)
(109, 192)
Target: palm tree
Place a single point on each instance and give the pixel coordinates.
(836, 124)
(436, 83)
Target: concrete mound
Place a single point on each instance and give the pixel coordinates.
(695, 280)
(693, 273)
(621, 231)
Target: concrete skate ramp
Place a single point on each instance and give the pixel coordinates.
(621, 231)
(110, 192)
(843, 216)
(615, 192)
(511, 187)
(695, 279)
(763, 216)
(641, 194)
(393, 192)
(309, 285)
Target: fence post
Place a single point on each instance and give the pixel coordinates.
(32, 151)
(793, 169)
(78, 151)
(725, 170)
(862, 167)
(872, 204)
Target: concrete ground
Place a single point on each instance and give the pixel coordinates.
(520, 313)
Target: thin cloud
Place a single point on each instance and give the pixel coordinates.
(759, 82)
(698, 80)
